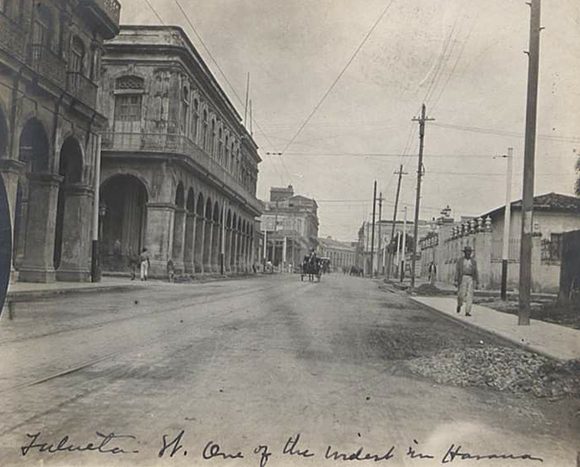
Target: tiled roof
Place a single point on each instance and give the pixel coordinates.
(546, 202)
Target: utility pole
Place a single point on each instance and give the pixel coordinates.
(398, 259)
(373, 231)
(422, 119)
(506, 225)
(529, 154)
(400, 173)
(404, 246)
(379, 255)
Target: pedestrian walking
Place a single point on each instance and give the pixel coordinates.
(466, 278)
(145, 263)
(432, 269)
(170, 270)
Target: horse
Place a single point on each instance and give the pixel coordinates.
(311, 267)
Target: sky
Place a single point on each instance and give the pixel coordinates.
(463, 58)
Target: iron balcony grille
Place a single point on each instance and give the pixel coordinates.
(177, 144)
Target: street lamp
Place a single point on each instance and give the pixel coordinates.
(99, 249)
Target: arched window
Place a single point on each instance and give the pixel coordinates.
(185, 110)
(212, 138)
(204, 142)
(128, 99)
(77, 55)
(220, 146)
(195, 121)
(227, 152)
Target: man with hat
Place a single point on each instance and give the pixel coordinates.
(466, 279)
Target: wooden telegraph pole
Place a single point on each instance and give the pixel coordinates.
(400, 173)
(529, 154)
(373, 231)
(422, 119)
(380, 255)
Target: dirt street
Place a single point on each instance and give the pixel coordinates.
(273, 370)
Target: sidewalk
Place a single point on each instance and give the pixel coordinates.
(558, 342)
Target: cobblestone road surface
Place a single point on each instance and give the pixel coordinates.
(248, 364)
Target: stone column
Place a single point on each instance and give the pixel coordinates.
(37, 265)
(159, 236)
(216, 247)
(236, 263)
(227, 263)
(245, 252)
(230, 250)
(76, 234)
(207, 248)
(189, 253)
(179, 239)
(10, 171)
(198, 251)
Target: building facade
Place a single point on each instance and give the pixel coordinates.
(50, 62)
(179, 169)
(290, 226)
(342, 255)
(384, 251)
(554, 215)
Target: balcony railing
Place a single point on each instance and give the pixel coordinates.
(107, 13)
(48, 64)
(82, 88)
(177, 144)
(12, 37)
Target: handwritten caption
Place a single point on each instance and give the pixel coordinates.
(177, 446)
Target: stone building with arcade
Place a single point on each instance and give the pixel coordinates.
(178, 169)
(50, 62)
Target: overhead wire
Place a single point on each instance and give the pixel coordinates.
(339, 76)
(219, 68)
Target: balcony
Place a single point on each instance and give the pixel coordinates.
(12, 38)
(48, 64)
(103, 14)
(82, 88)
(178, 144)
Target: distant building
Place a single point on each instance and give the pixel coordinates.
(341, 254)
(179, 168)
(290, 226)
(383, 243)
(50, 69)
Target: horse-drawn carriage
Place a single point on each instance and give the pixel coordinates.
(312, 268)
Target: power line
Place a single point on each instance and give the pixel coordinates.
(233, 89)
(375, 154)
(334, 83)
(154, 12)
(494, 131)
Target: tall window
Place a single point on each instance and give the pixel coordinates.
(212, 138)
(204, 131)
(77, 56)
(227, 153)
(195, 122)
(220, 146)
(128, 99)
(42, 28)
(185, 110)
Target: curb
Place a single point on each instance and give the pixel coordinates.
(488, 332)
(31, 295)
